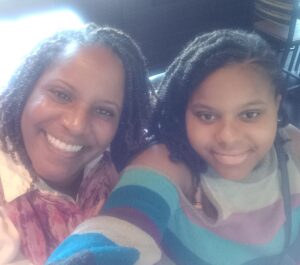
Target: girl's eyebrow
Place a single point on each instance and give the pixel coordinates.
(257, 103)
(201, 105)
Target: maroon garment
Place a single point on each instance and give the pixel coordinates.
(44, 218)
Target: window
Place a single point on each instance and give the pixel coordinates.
(20, 35)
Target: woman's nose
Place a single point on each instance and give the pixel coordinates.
(76, 120)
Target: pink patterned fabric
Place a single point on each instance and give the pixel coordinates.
(44, 219)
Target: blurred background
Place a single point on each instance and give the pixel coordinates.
(160, 27)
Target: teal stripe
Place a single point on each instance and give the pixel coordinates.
(178, 253)
(143, 200)
(152, 181)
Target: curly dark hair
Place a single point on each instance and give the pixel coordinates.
(136, 109)
(204, 55)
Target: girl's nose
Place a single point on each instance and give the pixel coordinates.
(76, 121)
(228, 134)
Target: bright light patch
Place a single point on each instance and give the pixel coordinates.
(19, 36)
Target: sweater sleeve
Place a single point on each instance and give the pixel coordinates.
(132, 222)
(10, 253)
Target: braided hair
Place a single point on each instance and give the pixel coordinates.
(204, 55)
(136, 108)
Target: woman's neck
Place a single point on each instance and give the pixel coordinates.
(69, 189)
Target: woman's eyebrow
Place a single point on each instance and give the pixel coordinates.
(108, 102)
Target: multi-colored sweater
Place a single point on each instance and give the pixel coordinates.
(148, 220)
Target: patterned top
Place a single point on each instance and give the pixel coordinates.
(165, 228)
(34, 218)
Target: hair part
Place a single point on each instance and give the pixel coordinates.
(136, 108)
(201, 57)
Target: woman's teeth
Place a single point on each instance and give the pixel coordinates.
(62, 145)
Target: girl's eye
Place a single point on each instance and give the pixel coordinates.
(250, 115)
(206, 117)
(61, 95)
(102, 112)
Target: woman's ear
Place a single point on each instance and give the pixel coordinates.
(278, 101)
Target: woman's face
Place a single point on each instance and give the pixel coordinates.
(231, 119)
(73, 113)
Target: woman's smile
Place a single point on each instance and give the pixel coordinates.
(63, 146)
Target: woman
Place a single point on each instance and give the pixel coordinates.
(79, 96)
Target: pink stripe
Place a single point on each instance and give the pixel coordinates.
(256, 227)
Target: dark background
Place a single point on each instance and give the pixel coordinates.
(161, 27)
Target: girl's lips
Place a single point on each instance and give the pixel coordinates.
(62, 146)
(230, 159)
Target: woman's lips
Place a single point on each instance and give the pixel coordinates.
(62, 146)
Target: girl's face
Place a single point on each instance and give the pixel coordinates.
(231, 119)
(73, 113)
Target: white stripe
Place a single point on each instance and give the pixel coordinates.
(124, 234)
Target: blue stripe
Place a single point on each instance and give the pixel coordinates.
(99, 248)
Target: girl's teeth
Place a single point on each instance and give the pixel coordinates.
(63, 146)
(230, 159)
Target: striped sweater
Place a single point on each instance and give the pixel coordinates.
(149, 220)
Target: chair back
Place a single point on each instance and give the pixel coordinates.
(294, 31)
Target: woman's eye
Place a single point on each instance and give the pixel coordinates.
(206, 116)
(104, 113)
(250, 115)
(61, 95)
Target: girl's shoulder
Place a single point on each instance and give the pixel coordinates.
(157, 157)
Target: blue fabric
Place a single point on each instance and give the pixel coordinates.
(92, 249)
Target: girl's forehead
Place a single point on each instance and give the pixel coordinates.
(244, 70)
(243, 80)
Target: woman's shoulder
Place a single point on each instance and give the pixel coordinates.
(157, 157)
(14, 177)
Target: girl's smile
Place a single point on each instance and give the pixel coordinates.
(230, 159)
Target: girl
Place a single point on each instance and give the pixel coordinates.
(223, 187)
(79, 94)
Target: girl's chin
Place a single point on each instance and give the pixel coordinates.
(233, 174)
